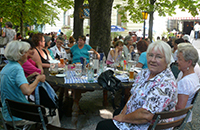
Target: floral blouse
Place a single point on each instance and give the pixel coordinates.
(155, 95)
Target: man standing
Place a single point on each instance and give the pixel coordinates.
(139, 34)
(196, 29)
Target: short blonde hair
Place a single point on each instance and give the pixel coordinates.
(15, 50)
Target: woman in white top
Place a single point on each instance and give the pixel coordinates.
(115, 54)
(188, 83)
(58, 50)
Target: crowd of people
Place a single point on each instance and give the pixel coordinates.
(155, 88)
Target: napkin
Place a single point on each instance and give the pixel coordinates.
(123, 77)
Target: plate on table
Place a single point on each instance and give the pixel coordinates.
(60, 75)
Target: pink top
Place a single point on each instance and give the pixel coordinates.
(30, 67)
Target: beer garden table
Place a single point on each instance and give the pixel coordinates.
(79, 88)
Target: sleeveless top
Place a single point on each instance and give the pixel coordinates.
(42, 59)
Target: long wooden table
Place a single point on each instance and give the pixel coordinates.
(79, 88)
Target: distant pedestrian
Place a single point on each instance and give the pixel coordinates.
(87, 39)
(139, 34)
(196, 29)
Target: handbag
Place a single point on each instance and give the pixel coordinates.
(108, 81)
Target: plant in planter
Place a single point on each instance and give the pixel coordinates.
(66, 27)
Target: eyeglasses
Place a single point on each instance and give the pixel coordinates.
(157, 57)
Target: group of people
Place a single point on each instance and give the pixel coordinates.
(28, 58)
(155, 88)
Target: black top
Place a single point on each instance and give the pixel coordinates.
(42, 59)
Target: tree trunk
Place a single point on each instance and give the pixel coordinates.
(78, 23)
(150, 26)
(21, 24)
(100, 24)
(152, 2)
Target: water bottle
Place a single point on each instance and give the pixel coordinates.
(91, 71)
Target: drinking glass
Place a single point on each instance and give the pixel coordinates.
(78, 70)
(53, 68)
(61, 58)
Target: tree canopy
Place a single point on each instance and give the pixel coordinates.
(32, 11)
(134, 8)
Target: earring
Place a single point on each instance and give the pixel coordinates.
(188, 68)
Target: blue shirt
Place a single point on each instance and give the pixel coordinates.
(11, 78)
(143, 60)
(77, 53)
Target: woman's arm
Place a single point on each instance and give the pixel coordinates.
(139, 116)
(37, 58)
(95, 53)
(182, 101)
(39, 65)
(27, 89)
(140, 65)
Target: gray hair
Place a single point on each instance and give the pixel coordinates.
(189, 52)
(163, 47)
(9, 24)
(15, 50)
(127, 38)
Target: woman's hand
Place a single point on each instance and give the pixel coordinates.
(119, 117)
(41, 78)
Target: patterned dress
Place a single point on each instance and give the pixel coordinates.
(155, 95)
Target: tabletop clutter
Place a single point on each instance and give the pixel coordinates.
(88, 72)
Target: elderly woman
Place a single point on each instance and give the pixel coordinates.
(188, 81)
(154, 91)
(142, 46)
(128, 45)
(14, 85)
(58, 51)
(114, 54)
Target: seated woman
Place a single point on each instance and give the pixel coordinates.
(14, 85)
(47, 46)
(175, 43)
(142, 46)
(128, 46)
(58, 50)
(188, 82)
(154, 91)
(39, 55)
(71, 41)
(81, 50)
(115, 54)
(30, 66)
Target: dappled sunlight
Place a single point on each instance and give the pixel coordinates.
(104, 113)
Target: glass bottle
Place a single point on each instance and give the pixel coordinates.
(91, 71)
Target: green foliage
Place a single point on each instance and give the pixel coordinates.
(134, 8)
(68, 33)
(32, 11)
